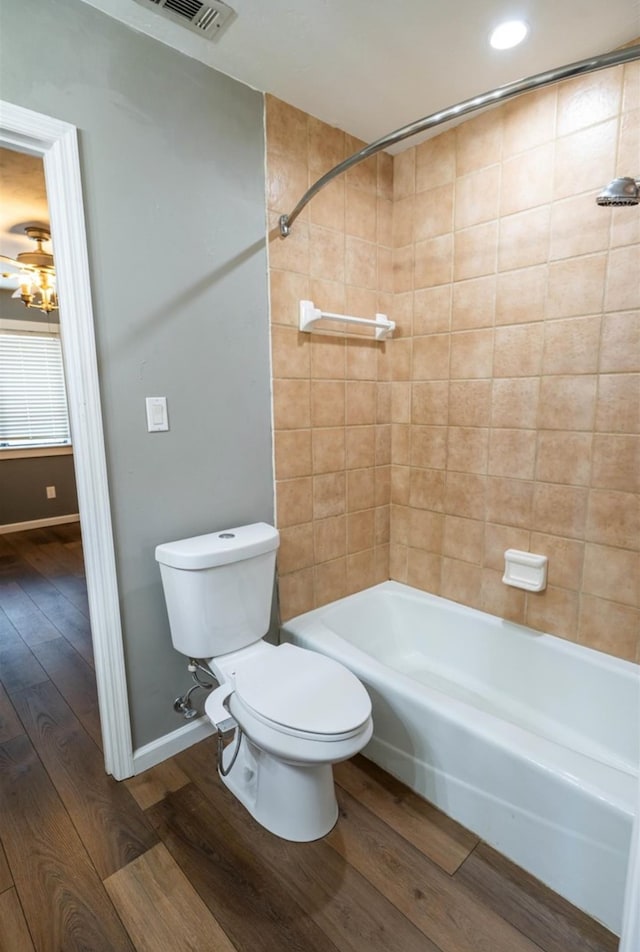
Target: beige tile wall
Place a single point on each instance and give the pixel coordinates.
(520, 411)
(506, 412)
(332, 398)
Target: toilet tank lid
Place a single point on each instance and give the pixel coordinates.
(219, 548)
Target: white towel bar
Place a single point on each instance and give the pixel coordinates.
(310, 315)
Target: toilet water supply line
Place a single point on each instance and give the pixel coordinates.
(502, 93)
(224, 723)
(222, 770)
(182, 705)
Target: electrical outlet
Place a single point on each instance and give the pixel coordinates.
(51, 492)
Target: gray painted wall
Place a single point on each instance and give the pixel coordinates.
(173, 176)
(23, 485)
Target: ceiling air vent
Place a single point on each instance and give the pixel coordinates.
(206, 19)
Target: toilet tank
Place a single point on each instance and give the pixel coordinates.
(218, 588)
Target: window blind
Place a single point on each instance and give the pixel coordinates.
(33, 399)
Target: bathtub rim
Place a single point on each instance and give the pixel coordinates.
(565, 645)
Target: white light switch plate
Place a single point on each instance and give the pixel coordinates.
(157, 418)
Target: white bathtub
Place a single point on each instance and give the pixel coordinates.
(526, 739)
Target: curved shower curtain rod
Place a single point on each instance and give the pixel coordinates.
(508, 91)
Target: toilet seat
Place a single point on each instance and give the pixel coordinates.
(319, 693)
(297, 747)
(246, 715)
(321, 699)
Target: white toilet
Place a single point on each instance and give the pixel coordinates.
(294, 712)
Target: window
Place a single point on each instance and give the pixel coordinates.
(33, 399)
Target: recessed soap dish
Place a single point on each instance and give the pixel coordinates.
(525, 570)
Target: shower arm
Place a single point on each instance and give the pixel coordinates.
(502, 93)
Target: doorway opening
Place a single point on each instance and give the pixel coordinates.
(56, 142)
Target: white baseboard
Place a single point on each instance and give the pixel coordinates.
(39, 523)
(173, 743)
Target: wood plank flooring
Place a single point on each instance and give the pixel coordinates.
(170, 860)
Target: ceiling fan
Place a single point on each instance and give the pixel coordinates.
(34, 272)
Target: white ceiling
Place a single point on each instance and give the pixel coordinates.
(369, 66)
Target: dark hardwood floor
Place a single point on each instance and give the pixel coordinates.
(170, 861)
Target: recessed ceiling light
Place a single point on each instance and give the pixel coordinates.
(508, 34)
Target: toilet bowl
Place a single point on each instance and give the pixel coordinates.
(287, 713)
(294, 714)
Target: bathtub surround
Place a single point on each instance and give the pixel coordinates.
(511, 391)
(332, 404)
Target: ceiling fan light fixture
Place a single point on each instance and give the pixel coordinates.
(37, 274)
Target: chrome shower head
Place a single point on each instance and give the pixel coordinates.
(621, 191)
